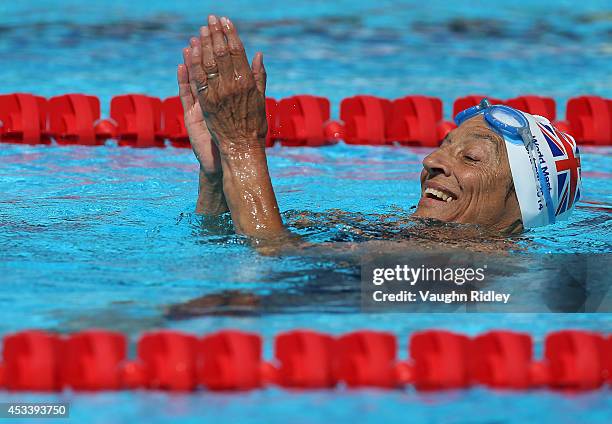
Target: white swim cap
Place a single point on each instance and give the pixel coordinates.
(546, 173)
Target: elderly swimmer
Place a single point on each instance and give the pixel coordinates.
(501, 168)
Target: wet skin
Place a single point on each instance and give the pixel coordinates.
(224, 102)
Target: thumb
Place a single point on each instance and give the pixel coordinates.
(259, 72)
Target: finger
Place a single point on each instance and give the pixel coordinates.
(184, 89)
(220, 49)
(259, 72)
(187, 63)
(196, 72)
(236, 48)
(208, 58)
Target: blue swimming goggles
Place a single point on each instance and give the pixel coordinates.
(514, 127)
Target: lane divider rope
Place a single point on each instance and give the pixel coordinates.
(139, 120)
(231, 360)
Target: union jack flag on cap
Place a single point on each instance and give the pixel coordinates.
(555, 158)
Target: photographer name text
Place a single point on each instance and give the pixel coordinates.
(450, 297)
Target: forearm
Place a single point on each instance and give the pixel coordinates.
(211, 200)
(249, 193)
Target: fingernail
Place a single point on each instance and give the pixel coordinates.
(230, 24)
(192, 41)
(204, 31)
(223, 21)
(212, 19)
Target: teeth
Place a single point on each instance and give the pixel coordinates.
(440, 195)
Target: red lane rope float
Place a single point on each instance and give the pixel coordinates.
(590, 118)
(173, 122)
(231, 360)
(304, 120)
(366, 119)
(138, 119)
(418, 120)
(24, 119)
(73, 119)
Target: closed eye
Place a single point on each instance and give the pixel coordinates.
(471, 158)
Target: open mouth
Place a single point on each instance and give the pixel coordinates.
(432, 193)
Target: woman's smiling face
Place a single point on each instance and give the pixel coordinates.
(468, 179)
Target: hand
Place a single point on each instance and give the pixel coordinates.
(230, 92)
(205, 150)
(211, 199)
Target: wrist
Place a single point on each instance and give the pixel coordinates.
(211, 199)
(251, 159)
(239, 149)
(211, 177)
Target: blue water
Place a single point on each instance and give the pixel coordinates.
(105, 236)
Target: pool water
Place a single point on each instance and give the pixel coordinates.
(106, 236)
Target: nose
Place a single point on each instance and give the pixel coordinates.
(437, 163)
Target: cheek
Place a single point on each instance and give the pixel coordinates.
(482, 182)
